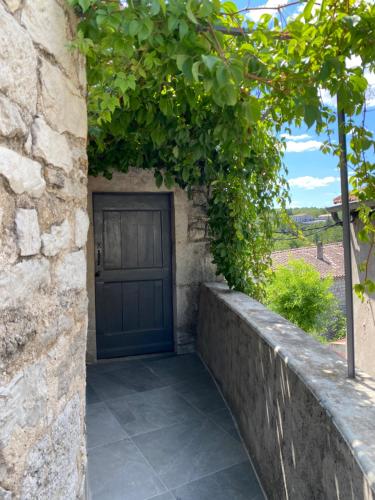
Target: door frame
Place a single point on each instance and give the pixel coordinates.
(170, 195)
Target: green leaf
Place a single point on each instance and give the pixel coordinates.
(145, 29)
(359, 290)
(369, 286)
(133, 27)
(163, 6)
(210, 61)
(222, 75)
(168, 180)
(189, 12)
(183, 29)
(251, 109)
(155, 7)
(180, 60)
(172, 23)
(230, 95)
(195, 70)
(185, 173)
(229, 7)
(308, 9)
(311, 114)
(158, 178)
(84, 4)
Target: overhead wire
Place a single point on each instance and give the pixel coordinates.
(313, 231)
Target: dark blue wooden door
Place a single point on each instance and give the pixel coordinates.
(133, 274)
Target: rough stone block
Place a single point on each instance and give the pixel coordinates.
(24, 175)
(199, 197)
(197, 230)
(23, 402)
(13, 5)
(22, 280)
(55, 178)
(71, 272)
(52, 463)
(57, 239)
(47, 24)
(81, 227)
(5, 495)
(51, 146)
(11, 123)
(28, 234)
(18, 63)
(68, 112)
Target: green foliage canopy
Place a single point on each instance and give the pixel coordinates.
(195, 92)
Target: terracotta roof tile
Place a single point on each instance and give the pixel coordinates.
(333, 255)
(338, 200)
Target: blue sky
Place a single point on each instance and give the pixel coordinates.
(313, 176)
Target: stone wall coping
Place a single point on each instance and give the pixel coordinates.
(349, 403)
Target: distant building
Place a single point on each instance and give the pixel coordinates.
(328, 260)
(324, 217)
(301, 218)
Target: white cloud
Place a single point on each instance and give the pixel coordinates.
(308, 182)
(370, 92)
(300, 9)
(327, 98)
(300, 147)
(254, 15)
(290, 137)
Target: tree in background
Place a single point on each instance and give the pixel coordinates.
(298, 293)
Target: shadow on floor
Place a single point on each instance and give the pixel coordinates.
(159, 429)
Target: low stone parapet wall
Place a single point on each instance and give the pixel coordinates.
(309, 430)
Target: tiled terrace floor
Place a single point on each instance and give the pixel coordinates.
(159, 429)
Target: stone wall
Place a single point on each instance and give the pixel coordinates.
(364, 312)
(43, 303)
(309, 430)
(191, 257)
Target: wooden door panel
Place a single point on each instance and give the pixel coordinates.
(112, 240)
(112, 307)
(130, 306)
(133, 276)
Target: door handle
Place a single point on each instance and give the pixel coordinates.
(98, 254)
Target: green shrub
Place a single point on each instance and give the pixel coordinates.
(298, 293)
(333, 323)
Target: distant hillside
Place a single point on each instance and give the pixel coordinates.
(313, 232)
(314, 211)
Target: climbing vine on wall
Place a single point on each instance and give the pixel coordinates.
(196, 92)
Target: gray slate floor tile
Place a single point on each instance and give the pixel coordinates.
(137, 377)
(91, 396)
(188, 451)
(107, 386)
(235, 483)
(177, 369)
(102, 426)
(224, 419)
(151, 434)
(107, 366)
(163, 496)
(151, 410)
(201, 392)
(118, 471)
